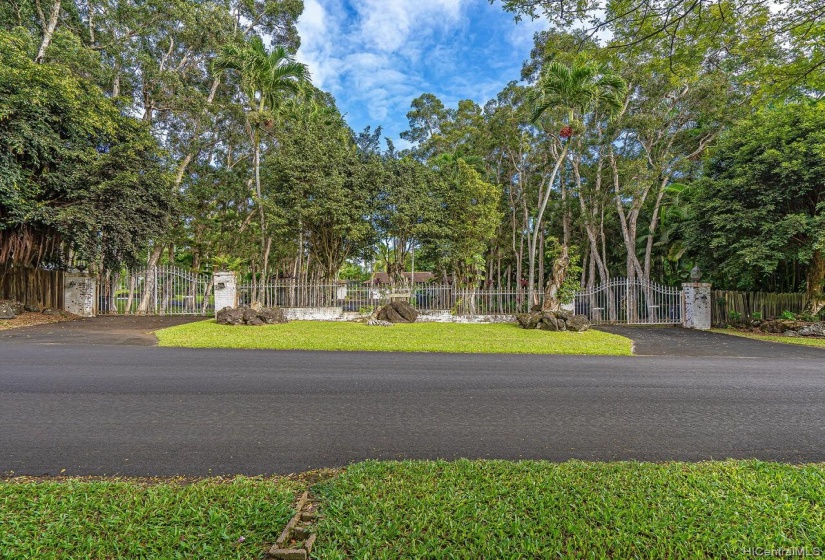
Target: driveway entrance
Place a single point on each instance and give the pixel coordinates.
(131, 330)
(676, 341)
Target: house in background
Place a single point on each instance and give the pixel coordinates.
(383, 278)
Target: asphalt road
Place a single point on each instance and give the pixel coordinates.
(137, 410)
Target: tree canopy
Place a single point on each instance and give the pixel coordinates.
(78, 180)
(640, 139)
(759, 209)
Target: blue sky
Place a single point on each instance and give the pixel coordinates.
(376, 56)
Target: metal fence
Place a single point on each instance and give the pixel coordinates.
(619, 301)
(159, 290)
(360, 297)
(170, 290)
(631, 302)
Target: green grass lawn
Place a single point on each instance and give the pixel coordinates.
(417, 337)
(497, 509)
(99, 519)
(431, 510)
(815, 342)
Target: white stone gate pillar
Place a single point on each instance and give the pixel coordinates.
(226, 290)
(79, 294)
(697, 306)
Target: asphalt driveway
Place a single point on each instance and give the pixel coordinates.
(676, 341)
(134, 330)
(136, 410)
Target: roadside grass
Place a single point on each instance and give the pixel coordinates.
(122, 518)
(431, 509)
(815, 342)
(416, 337)
(498, 509)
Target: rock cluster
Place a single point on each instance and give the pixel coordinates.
(553, 321)
(10, 309)
(814, 329)
(250, 316)
(397, 312)
(793, 328)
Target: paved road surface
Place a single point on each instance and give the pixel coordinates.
(678, 342)
(137, 410)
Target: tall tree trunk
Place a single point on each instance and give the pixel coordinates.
(566, 219)
(554, 283)
(814, 297)
(591, 276)
(48, 28)
(91, 10)
(540, 266)
(590, 212)
(267, 247)
(628, 221)
(654, 223)
(537, 229)
(149, 279)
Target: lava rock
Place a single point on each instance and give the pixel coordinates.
(557, 317)
(17, 306)
(7, 311)
(578, 323)
(230, 316)
(250, 316)
(397, 312)
(563, 314)
(814, 329)
(528, 320)
(777, 326)
(551, 323)
(272, 315)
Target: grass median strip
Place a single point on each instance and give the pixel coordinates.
(498, 509)
(75, 518)
(417, 337)
(801, 341)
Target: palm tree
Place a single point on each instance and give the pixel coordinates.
(266, 78)
(577, 91)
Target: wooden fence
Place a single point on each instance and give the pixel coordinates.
(32, 286)
(728, 306)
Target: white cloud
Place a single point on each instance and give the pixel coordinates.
(376, 56)
(320, 22)
(391, 25)
(521, 35)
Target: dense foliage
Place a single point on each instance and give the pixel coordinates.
(186, 132)
(78, 180)
(760, 206)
